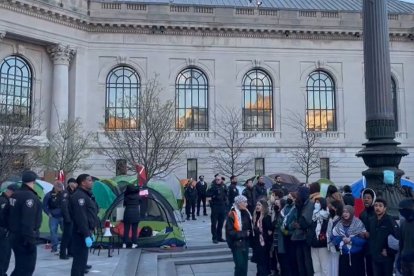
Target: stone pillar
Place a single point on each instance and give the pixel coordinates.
(61, 56)
(381, 152)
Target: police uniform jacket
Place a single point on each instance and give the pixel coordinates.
(218, 194)
(4, 210)
(25, 216)
(83, 211)
(233, 192)
(65, 205)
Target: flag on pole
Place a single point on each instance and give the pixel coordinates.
(141, 174)
(61, 176)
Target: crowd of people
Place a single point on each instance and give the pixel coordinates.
(303, 233)
(72, 207)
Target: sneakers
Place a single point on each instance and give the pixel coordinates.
(134, 245)
(124, 245)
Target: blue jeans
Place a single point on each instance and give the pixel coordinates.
(54, 223)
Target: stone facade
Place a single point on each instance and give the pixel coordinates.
(71, 47)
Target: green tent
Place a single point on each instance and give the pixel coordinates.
(130, 179)
(103, 194)
(165, 191)
(44, 227)
(112, 185)
(324, 184)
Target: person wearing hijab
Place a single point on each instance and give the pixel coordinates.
(317, 238)
(263, 238)
(239, 230)
(347, 236)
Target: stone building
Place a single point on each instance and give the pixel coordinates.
(65, 59)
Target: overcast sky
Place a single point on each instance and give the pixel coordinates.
(411, 1)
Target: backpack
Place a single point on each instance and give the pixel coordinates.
(146, 231)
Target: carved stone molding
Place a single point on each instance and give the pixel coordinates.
(191, 61)
(122, 59)
(320, 64)
(61, 54)
(257, 63)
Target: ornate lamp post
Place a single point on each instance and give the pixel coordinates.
(381, 152)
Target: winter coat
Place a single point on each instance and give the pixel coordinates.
(407, 241)
(278, 240)
(320, 240)
(201, 189)
(239, 239)
(259, 192)
(249, 194)
(379, 230)
(191, 194)
(232, 192)
(52, 204)
(261, 253)
(218, 194)
(132, 206)
(304, 219)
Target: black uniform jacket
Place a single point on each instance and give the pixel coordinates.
(25, 215)
(4, 215)
(83, 212)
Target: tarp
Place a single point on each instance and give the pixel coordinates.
(46, 186)
(361, 184)
(103, 194)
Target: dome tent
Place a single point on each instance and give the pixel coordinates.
(159, 214)
(103, 194)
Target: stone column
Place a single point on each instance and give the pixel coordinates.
(381, 152)
(61, 56)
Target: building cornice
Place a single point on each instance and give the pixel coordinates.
(101, 25)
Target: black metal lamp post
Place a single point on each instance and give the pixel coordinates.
(381, 152)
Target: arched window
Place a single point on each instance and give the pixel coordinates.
(257, 101)
(15, 91)
(122, 99)
(320, 106)
(191, 100)
(394, 101)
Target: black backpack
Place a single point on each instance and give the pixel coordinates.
(146, 231)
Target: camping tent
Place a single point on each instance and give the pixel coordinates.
(112, 185)
(103, 194)
(157, 213)
(44, 227)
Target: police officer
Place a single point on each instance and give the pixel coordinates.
(83, 211)
(190, 199)
(5, 252)
(65, 248)
(201, 187)
(232, 191)
(25, 219)
(218, 203)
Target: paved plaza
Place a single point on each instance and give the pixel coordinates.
(200, 258)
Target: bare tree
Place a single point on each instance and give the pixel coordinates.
(18, 141)
(67, 148)
(152, 140)
(306, 156)
(229, 142)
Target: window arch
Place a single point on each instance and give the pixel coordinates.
(320, 102)
(191, 100)
(122, 99)
(394, 101)
(257, 101)
(15, 91)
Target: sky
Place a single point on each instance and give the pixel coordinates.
(409, 1)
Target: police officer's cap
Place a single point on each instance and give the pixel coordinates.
(29, 176)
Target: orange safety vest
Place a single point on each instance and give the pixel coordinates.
(236, 224)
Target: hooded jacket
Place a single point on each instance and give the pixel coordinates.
(368, 212)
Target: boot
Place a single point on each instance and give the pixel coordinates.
(194, 218)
